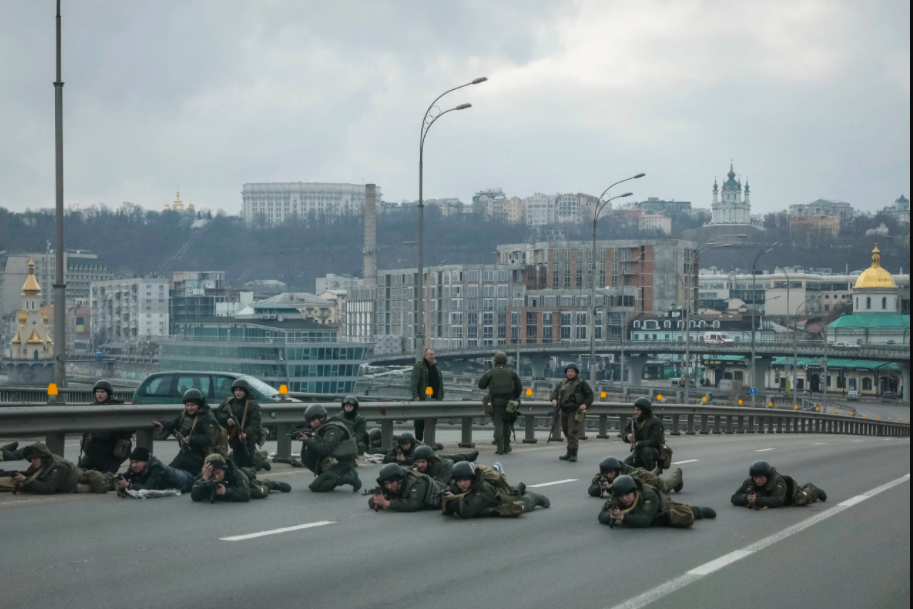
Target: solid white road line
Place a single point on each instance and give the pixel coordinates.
(552, 483)
(764, 450)
(277, 531)
(820, 443)
(702, 571)
(683, 462)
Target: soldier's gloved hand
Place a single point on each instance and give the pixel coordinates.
(381, 502)
(121, 483)
(19, 478)
(616, 514)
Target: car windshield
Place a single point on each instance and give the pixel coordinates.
(260, 387)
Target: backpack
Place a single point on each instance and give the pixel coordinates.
(679, 515)
(494, 477)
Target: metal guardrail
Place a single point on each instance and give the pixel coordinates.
(54, 422)
(39, 395)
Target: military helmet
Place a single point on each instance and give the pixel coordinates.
(241, 383)
(623, 485)
(645, 405)
(423, 452)
(610, 464)
(390, 473)
(104, 386)
(759, 468)
(350, 399)
(406, 438)
(464, 470)
(572, 366)
(36, 450)
(375, 434)
(195, 396)
(216, 461)
(500, 359)
(315, 411)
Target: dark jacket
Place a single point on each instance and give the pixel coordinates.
(357, 426)
(102, 444)
(483, 499)
(626, 470)
(236, 487)
(390, 457)
(411, 495)
(203, 435)
(649, 433)
(778, 492)
(440, 469)
(57, 474)
(571, 393)
(419, 381)
(251, 422)
(651, 505)
(155, 477)
(332, 440)
(504, 385)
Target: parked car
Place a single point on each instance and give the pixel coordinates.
(169, 387)
(852, 394)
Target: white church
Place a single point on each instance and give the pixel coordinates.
(734, 207)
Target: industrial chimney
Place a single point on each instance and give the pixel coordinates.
(370, 251)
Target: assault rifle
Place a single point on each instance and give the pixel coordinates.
(10, 473)
(297, 433)
(604, 486)
(182, 441)
(556, 417)
(753, 491)
(241, 445)
(612, 504)
(372, 492)
(213, 485)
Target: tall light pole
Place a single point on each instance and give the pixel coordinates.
(60, 287)
(597, 210)
(431, 117)
(754, 266)
(796, 345)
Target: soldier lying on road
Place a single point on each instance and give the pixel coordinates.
(49, 474)
(401, 490)
(611, 468)
(637, 505)
(439, 467)
(766, 488)
(483, 491)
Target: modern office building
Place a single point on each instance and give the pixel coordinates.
(202, 294)
(276, 202)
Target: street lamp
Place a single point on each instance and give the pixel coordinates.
(754, 367)
(597, 210)
(796, 342)
(432, 114)
(60, 285)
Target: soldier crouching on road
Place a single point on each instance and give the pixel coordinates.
(611, 468)
(197, 432)
(766, 488)
(647, 438)
(637, 505)
(439, 467)
(401, 490)
(329, 450)
(49, 474)
(355, 422)
(483, 491)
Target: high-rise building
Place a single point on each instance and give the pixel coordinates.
(130, 310)
(276, 202)
(540, 209)
(733, 206)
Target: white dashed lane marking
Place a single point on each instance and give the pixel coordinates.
(299, 527)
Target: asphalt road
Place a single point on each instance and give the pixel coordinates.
(102, 551)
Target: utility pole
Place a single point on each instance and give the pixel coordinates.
(60, 286)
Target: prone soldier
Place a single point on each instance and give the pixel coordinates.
(329, 450)
(147, 472)
(196, 429)
(482, 491)
(355, 422)
(240, 416)
(401, 490)
(105, 451)
(765, 488)
(403, 449)
(571, 398)
(610, 468)
(49, 474)
(504, 388)
(437, 466)
(375, 440)
(637, 505)
(646, 435)
(220, 480)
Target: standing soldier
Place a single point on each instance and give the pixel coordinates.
(105, 451)
(239, 415)
(637, 505)
(197, 432)
(438, 467)
(477, 491)
(425, 375)
(648, 436)
(611, 468)
(329, 450)
(354, 421)
(504, 387)
(572, 397)
(766, 488)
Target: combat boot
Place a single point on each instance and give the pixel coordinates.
(473, 455)
(573, 457)
(708, 513)
(283, 487)
(566, 456)
(355, 481)
(500, 449)
(8, 448)
(542, 501)
(678, 487)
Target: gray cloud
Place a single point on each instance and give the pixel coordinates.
(811, 98)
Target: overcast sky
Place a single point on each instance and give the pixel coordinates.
(810, 98)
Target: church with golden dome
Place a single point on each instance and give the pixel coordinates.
(32, 340)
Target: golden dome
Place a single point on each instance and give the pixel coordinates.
(31, 287)
(875, 276)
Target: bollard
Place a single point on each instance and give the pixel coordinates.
(603, 427)
(676, 425)
(466, 433)
(55, 443)
(690, 431)
(386, 434)
(529, 424)
(283, 443)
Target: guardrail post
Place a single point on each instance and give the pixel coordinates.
(430, 432)
(770, 424)
(144, 439)
(603, 427)
(386, 434)
(690, 431)
(283, 443)
(55, 443)
(466, 432)
(761, 422)
(581, 431)
(729, 425)
(780, 425)
(741, 424)
(750, 424)
(530, 425)
(705, 422)
(717, 422)
(676, 425)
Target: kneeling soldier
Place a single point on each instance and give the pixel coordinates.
(401, 490)
(637, 505)
(482, 491)
(355, 422)
(196, 429)
(146, 472)
(766, 488)
(375, 440)
(646, 435)
(438, 467)
(105, 451)
(329, 450)
(611, 468)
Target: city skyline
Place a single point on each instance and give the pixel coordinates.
(186, 96)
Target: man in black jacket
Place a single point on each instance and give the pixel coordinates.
(147, 472)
